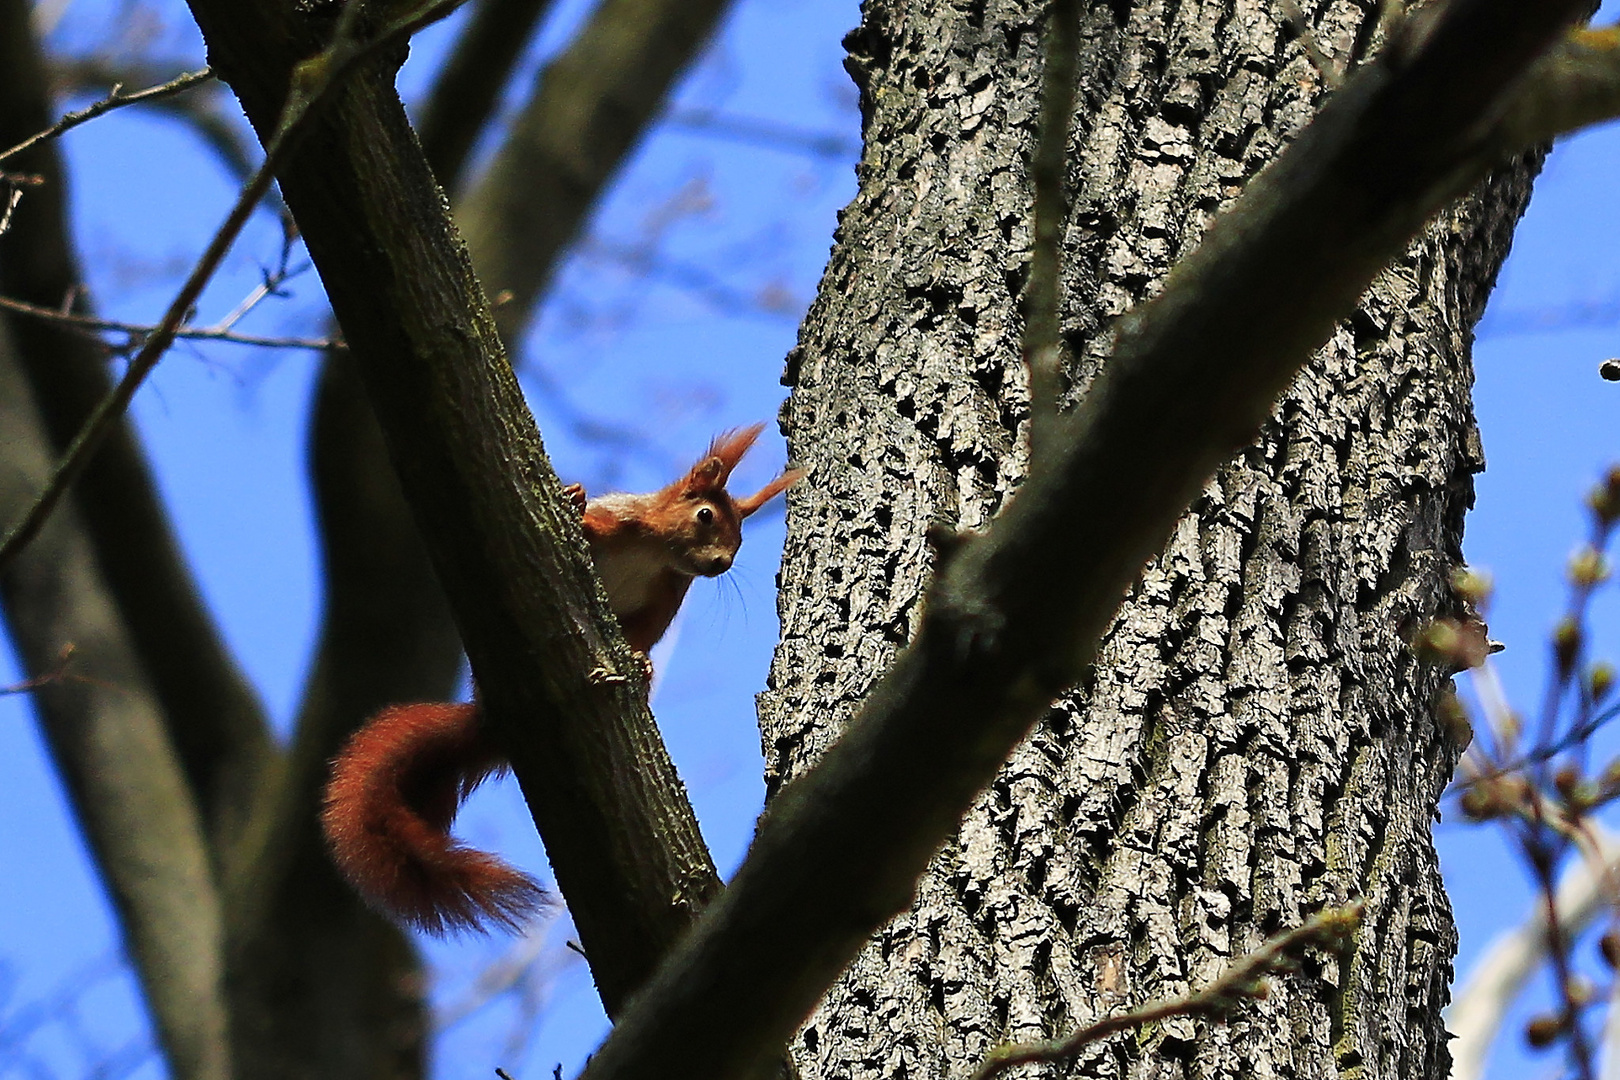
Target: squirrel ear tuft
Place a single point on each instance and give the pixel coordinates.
(730, 447)
(768, 492)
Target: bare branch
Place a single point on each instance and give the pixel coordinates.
(115, 99)
(468, 87)
(212, 714)
(1245, 980)
(108, 742)
(757, 132)
(589, 106)
(140, 332)
(619, 831)
(1500, 974)
(15, 182)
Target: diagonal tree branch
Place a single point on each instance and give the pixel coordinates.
(506, 544)
(386, 634)
(1015, 615)
(589, 107)
(469, 85)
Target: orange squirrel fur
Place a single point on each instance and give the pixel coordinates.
(397, 784)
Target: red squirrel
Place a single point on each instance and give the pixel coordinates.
(397, 784)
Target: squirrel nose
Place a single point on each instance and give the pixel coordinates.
(719, 565)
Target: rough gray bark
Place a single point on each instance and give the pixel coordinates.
(1257, 742)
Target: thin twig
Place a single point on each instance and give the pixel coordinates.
(140, 332)
(113, 100)
(1496, 979)
(1043, 348)
(1543, 849)
(1576, 736)
(13, 197)
(768, 133)
(56, 673)
(311, 80)
(1245, 980)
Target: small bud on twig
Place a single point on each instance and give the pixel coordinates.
(1588, 567)
(1566, 645)
(1566, 780)
(1543, 1031)
(1471, 585)
(1600, 680)
(1609, 947)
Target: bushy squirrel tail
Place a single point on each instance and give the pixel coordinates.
(394, 791)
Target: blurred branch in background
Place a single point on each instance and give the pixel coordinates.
(1489, 989)
(68, 1015)
(1537, 783)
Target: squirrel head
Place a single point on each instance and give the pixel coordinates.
(702, 521)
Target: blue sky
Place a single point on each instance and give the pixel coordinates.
(225, 427)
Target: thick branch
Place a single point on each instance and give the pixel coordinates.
(107, 739)
(386, 633)
(1575, 85)
(589, 108)
(506, 544)
(469, 85)
(1015, 616)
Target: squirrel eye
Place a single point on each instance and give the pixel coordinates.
(705, 514)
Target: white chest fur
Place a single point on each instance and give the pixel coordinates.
(631, 573)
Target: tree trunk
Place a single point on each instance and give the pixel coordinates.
(1257, 741)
